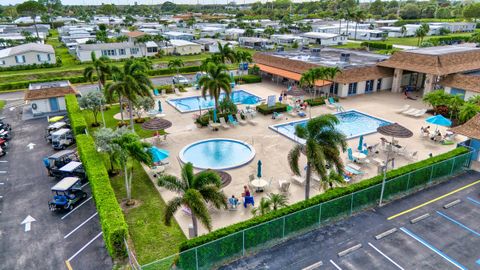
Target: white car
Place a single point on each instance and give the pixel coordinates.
(179, 79)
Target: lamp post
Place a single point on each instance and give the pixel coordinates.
(101, 108)
(384, 168)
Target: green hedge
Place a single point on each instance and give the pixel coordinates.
(318, 101)
(248, 78)
(279, 107)
(329, 195)
(448, 40)
(169, 71)
(28, 67)
(77, 121)
(377, 45)
(113, 223)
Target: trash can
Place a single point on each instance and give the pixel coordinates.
(191, 233)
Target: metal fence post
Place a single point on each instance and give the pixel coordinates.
(320, 214)
(408, 181)
(431, 172)
(453, 166)
(351, 205)
(243, 243)
(283, 227)
(196, 257)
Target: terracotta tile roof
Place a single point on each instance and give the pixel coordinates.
(462, 81)
(135, 34)
(348, 75)
(470, 129)
(288, 74)
(437, 64)
(49, 92)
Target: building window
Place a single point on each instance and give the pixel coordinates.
(458, 92)
(20, 59)
(108, 52)
(152, 49)
(352, 89)
(121, 52)
(134, 50)
(43, 57)
(334, 88)
(2, 62)
(379, 84)
(369, 86)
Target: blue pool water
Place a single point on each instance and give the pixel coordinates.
(352, 124)
(217, 154)
(190, 104)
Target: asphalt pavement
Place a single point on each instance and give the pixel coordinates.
(446, 237)
(52, 238)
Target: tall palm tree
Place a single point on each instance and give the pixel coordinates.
(195, 191)
(99, 68)
(322, 144)
(309, 77)
(132, 82)
(226, 52)
(176, 63)
(359, 16)
(243, 57)
(216, 81)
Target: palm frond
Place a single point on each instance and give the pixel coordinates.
(197, 205)
(171, 183)
(172, 207)
(293, 158)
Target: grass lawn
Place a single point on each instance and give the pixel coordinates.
(151, 238)
(2, 104)
(111, 122)
(349, 45)
(413, 41)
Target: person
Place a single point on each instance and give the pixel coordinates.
(246, 192)
(280, 98)
(233, 201)
(425, 131)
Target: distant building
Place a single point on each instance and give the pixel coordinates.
(182, 47)
(27, 54)
(256, 43)
(287, 39)
(49, 97)
(179, 35)
(325, 39)
(234, 33)
(115, 51)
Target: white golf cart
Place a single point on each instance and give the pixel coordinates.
(62, 138)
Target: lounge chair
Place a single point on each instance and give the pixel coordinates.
(329, 105)
(233, 203)
(277, 115)
(412, 156)
(210, 125)
(420, 113)
(177, 92)
(350, 155)
(223, 123)
(155, 92)
(409, 111)
(403, 109)
(298, 179)
(164, 93)
(284, 185)
(302, 114)
(240, 120)
(232, 120)
(250, 120)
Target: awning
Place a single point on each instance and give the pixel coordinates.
(288, 74)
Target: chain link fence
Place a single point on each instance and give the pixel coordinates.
(236, 245)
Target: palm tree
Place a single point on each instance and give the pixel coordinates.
(264, 206)
(99, 68)
(333, 178)
(322, 143)
(309, 77)
(358, 16)
(131, 82)
(243, 57)
(403, 30)
(216, 81)
(195, 191)
(467, 111)
(277, 200)
(271, 202)
(176, 63)
(132, 149)
(226, 52)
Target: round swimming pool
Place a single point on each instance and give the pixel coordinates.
(217, 154)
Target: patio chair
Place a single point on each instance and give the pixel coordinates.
(233, 204)
(412, 156)
(248, 200)
(350, 155)
(223, 123)
(277, 115)
(164, 93)
(298, 179)
(210, 126)
(284, 185)
(409, 111)
(250, 120)
(420, 113)
(330, 106)
(177, 92)
(240, 120)
(232, 120)
(403, 109)
(155, 92)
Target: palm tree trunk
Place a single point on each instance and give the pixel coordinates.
(195, 225)
(121, 108)
(340, 27)
(356, 25)
(130, 109)
(127, 182)
(36, 29)
(307, 181)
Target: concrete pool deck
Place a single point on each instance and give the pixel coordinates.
(272, 148)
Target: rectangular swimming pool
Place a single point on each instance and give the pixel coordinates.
(195, 103)
(352, 123)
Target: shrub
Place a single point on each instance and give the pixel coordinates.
(77, 121)
(318, 101)
(113, 223)
(28, 67)
(264, 109)
(377, 45)
(448, 40)
(169, 71)
(248, 78)
(327, 196)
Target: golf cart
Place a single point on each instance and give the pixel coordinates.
(52, 128)
(71, 169)
(59, 159)
(66, 194)
(62, 138)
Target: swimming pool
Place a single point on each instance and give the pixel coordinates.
(195, 103)
(352, 123)
(217, 154)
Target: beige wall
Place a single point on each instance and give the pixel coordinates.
(188, 49)
(43, 105)
(30, 59)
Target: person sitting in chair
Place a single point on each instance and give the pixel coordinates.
(233, 202)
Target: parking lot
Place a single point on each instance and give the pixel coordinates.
(438, 228)
(45, 240)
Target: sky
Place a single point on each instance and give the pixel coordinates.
(131, 2)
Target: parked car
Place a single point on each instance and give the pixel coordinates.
(66, 194)
(62, 138)
(179, 79)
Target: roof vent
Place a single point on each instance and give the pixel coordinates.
(345, 57)
(316, 51)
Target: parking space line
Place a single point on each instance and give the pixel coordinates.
(334, 264)
(81, 249)
(458, 223)
(432, 248)
(434, 200)
(3, 171)
(78, 227)
(473, 200)
(84, 185)
(89, 198)
(386, 257)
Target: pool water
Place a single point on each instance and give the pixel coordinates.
(352, 123)
(217, 154)
(195, 103)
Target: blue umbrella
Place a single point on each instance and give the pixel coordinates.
(214, 115)
(439, 120)
(158, 154)
(160, 106)
(259, 169)
(360, 143)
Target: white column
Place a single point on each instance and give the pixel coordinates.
(429, 80)
(397, 80)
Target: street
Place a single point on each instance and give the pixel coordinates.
(31, 236)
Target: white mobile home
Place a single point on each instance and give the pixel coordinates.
(115, 51)
(27, 54)
(256, 43)
(286, 39)
(325, 39)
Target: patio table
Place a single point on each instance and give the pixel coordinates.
(259, 184)
(358, 155)
(215, 126)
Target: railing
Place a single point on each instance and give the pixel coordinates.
(267, 234)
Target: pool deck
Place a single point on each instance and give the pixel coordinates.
(272, 148)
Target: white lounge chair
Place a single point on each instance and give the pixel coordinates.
(164, 93)
(284, 185)
(177, 92)
(329, 105)
(404, 108)
(240, 120)
(412, 156)
(408, 112)
(223, 123)
(298, 179)
(250, 120)
(420, 113)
